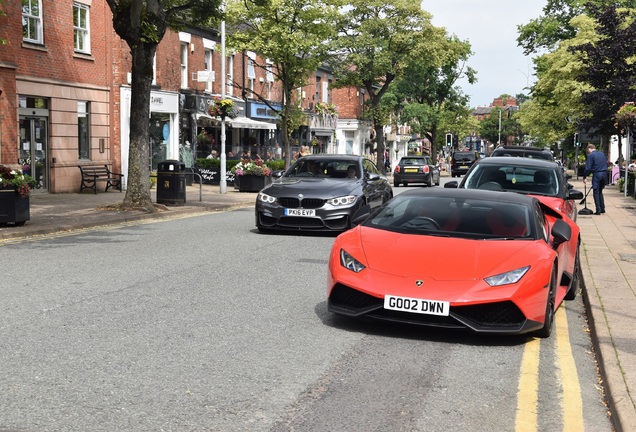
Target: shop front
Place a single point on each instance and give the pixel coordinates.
(163, 132)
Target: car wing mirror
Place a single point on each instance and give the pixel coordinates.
(574, 194)
(372, 176)
(451, 184)
(361, 214)
(561, 232)
(278, 173)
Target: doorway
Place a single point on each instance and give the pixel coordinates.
(34, 150)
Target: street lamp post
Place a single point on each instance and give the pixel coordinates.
(223, 180)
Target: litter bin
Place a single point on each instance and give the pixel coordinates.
(171, 183)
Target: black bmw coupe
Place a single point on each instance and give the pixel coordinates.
(321, 193)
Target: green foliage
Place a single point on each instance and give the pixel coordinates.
(290, 34)
(609, 68)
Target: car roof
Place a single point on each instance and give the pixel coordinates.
(522, 149)
(326, 156)
(514, 160)
(506, 197)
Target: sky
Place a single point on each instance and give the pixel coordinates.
(490, 26)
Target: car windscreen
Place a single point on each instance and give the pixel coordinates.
(453, 217)
(413, 161)
(526, 179)
(324, 168)
(464, 157)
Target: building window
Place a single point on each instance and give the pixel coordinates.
(83, 130)
(184, 65)
(269, 77)
(81, 28)
(208, 67)
(251, 72)
(32, 21)
(318, 88)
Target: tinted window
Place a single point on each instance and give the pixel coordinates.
(451, 217)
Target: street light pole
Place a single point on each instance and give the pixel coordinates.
(223, 180)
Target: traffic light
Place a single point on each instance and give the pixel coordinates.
(576, 140)
(449, 139)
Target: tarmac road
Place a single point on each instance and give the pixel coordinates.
(608, 262)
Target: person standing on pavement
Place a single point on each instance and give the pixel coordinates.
(596, 164)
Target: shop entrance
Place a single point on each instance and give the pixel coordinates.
(34, 150)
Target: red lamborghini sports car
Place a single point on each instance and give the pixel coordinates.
(484, 261)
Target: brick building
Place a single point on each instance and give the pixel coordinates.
(65, 96)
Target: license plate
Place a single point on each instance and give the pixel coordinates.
(420, 306)
(464, 167)
(410, 170)
(300, 212)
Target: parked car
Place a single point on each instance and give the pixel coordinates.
(321, 193)
(523, 151)
(416, 169)
(461, 161)
(518, 262)
(541, 178)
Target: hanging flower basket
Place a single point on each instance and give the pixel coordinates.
(626, 115)
(222, 108)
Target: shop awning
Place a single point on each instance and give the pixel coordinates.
(240, 122)
(248, 123)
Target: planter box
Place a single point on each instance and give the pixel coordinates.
(251, 183)
(13, 208)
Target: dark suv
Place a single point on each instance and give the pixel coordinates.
(523, 151)
(462, 161)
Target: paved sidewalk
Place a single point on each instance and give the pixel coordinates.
(608, 260)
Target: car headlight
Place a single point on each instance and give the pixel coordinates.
(350, 262)
(344, 200)
(511, 277)
(266, 198)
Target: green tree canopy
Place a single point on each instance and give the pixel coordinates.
(376, 41)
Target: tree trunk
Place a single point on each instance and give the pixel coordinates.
(138, 191)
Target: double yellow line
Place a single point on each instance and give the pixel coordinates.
(528, 391)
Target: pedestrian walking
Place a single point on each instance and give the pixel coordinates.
(596, 164)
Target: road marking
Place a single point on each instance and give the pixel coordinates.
(528, 390)
(572, 402)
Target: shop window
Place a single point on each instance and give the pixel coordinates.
(81, 28)
(83, 129)
(32, 21)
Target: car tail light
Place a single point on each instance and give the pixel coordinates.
(397, 169)
(425, 169)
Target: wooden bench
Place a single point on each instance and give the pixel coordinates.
(91, 174)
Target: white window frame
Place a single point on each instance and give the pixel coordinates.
(183, 56)
(82, 35)
(230, 75)
(30, 19)
(208, 61)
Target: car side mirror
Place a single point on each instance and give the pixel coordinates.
(361, 214)
(372, 176)
(451, 184)
(561, 232)
(574, 194)
(278, 173)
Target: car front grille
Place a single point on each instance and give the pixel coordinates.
(503, 316)
(307, 203)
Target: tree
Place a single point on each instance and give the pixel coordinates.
(554, 26)
(291, 34)
(375, 43)
(142, 24)
(489, 127)
(609, 69)
(427, 89)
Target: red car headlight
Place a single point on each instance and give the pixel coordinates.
(350, 263)
(511, 277)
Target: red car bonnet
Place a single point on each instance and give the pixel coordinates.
(442, 258)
